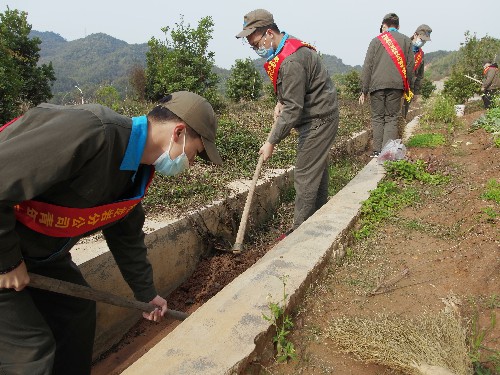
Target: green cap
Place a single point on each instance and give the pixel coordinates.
(424, 32)
(254, 19)
(197, 112)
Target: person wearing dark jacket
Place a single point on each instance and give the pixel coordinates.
(388, 77)
(67, 172)
(307, 101)
(491, 82)
(421, 36)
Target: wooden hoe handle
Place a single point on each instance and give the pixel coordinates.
(80, 291)
(237, 248)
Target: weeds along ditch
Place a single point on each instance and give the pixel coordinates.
(241, 134)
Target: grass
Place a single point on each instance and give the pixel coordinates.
(492, 192)
(405, 344)
(431, 140)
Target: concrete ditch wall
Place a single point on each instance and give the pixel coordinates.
(176, 246)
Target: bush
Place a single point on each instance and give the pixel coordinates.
(427, 88)
(348, 84)
(440, 110)
(245, 82)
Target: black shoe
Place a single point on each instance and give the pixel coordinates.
(375, 154)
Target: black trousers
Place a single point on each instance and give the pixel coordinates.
(45, 333)
(488, 97)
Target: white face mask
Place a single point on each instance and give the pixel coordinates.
(168, 167)
(418, 42)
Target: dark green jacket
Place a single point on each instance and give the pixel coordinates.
(70, 156)
(491, 79)
(380, 72)
(305, 89)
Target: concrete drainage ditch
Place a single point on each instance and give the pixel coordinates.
(227, 332)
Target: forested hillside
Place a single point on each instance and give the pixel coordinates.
(101, 59)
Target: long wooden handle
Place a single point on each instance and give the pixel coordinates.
(244, 217)
(238, 245)
(80, 291)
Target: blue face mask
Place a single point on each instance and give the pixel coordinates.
(265, 52)
(168, 167)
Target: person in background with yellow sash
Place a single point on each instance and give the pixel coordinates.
(67, 172)
(388, 78)
(419, 38)
(307, 102)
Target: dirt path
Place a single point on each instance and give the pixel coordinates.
(443, 251)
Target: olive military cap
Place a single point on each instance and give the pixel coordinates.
(197, 112)
(424, 31)
(254, 19)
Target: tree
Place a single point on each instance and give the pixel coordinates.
(108, 96)
(137, 79)
(22, 82)
(245, 82)
(182, 63)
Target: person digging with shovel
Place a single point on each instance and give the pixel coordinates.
(307, 101)
(67, 172)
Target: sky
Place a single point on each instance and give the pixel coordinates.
(340, 28)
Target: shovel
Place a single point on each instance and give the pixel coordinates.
(80, 291)
(238, 244)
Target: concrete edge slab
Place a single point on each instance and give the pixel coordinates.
(224, 334)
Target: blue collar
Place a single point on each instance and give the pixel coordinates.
(280, 46)
(136, 144)
(416, 49)
(393, 29)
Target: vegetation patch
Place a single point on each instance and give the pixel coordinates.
(282, 324)
(412, 346)
(431, 140)
(490, 121)
(492, 192)
(439, 111)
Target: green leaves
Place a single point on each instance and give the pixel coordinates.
(182, 62)
(245, 82)
(22, 82)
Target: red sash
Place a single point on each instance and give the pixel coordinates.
(273, 66)
(394, 50)
(419, 57)
(59, 221)
(484, 71)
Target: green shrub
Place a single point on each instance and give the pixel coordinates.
(440, 110)
(427, 88)
(245, 82)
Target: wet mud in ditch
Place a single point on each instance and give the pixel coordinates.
(213, 273)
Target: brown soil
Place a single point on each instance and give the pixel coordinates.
(452, 251)
(212, 274)
(444, 249)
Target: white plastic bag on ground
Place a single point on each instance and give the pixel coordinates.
(393, 150)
